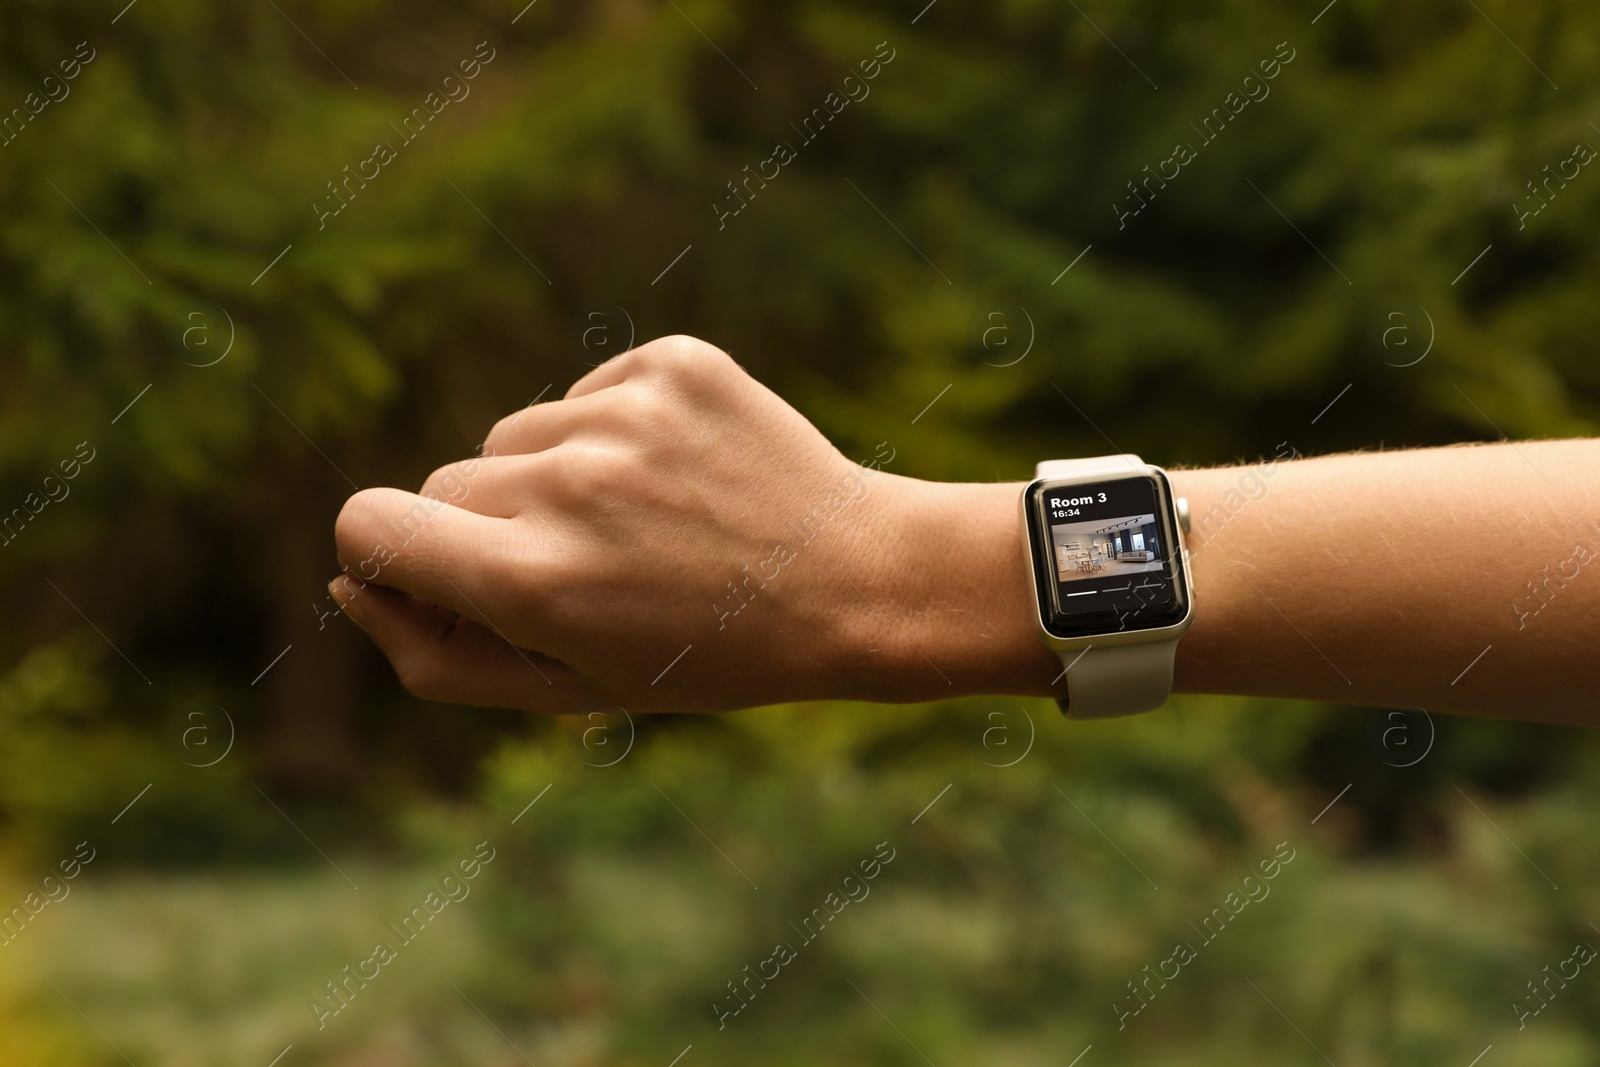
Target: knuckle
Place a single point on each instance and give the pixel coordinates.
(558, 475)
(496, 439)
(448, 483)
(587, 472)
(502, 433)
(588, 480)
(629, 408)
(680, 355)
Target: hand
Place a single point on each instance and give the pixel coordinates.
(672, 536)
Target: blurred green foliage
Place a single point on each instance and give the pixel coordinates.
(919, 242)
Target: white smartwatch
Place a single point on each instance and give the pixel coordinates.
(1110, 580)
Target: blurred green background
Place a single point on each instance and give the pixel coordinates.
(915, 250)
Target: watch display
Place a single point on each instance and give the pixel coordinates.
(1105, 556)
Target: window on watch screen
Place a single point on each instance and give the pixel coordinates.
(1109, 556)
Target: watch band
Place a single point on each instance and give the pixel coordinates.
(1127, 463)
(1103, 683)
(1111, 680)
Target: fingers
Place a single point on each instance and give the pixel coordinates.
(494, 486)
(430, 549)
(613, 371)
(538, 427)
(438, 656)
(664, 355)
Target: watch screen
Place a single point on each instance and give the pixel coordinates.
(1109, 559)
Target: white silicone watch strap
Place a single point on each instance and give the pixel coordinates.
(1128, 463)
(1104, 682)
(1107, 681)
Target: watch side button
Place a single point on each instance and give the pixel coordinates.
(1183, 513)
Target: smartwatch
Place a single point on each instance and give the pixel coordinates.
(1110, 580)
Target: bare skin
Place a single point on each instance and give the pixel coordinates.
(672, 536)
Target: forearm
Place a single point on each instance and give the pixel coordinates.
(1454, 580)
(1383, 578)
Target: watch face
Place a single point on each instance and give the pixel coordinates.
(1106, 556)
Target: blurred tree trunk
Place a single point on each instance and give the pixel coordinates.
(310, 739)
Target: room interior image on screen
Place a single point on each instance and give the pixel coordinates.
(1105, 544)
(1107, 548)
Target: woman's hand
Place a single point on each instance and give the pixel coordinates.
(672, 536)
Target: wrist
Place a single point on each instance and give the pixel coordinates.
(1225, 642)
(951, 611)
